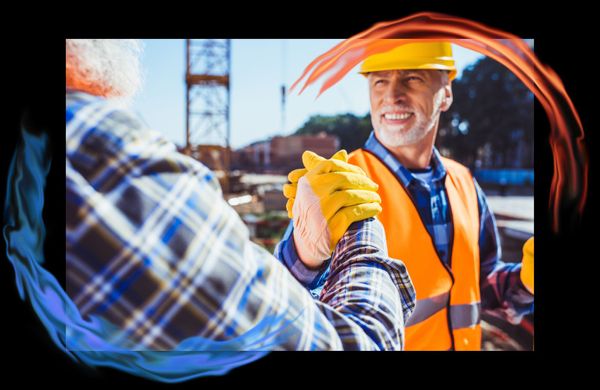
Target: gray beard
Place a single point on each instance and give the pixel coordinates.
(397, 138)
(393, 139)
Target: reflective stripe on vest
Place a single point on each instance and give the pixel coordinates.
(447, 312)
(465, 316)
(426, 308)
(461, 316)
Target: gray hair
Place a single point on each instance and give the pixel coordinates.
(106, 67)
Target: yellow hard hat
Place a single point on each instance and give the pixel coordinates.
(416, 55)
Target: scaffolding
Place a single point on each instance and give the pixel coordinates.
(207, 79)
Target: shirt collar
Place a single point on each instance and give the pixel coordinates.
(374, 146)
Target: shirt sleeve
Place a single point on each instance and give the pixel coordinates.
(153, 248)
(500, 282)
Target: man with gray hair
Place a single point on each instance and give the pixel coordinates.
(153, 248)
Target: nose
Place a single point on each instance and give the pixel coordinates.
(395, 92)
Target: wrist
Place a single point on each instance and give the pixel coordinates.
(306, 255)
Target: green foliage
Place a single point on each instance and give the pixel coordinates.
(352, 131)
(492, 113)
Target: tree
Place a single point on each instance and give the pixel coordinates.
(490, 120)
(352, 131)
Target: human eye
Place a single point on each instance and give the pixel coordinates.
(414, 78)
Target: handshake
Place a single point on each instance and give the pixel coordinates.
(324, 199)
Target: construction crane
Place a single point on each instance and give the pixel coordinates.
(283, 86)
(207, 130)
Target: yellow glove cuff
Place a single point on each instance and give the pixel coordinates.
(527, 265)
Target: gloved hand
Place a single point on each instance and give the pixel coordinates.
(324, 199)
(311, 158)
(527, 265)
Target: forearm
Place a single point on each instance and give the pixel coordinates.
(502, 289)
(367, 285)
(362, 279)
(359, 266)
(362, 309)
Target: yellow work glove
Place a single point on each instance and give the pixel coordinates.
(324, 199)
(289, 190)
(527, 265)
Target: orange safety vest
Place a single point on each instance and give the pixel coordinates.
(447, 313)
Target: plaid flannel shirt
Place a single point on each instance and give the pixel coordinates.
(153, 248)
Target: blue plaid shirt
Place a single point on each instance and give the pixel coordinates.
(153, 248)
(501, 286)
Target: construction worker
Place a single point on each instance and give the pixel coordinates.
(154, 249)
(436, 216)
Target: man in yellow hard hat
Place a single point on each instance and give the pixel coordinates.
(436, 216)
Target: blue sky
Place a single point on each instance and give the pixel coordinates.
(258, 68)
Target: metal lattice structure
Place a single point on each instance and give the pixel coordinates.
(207, 103)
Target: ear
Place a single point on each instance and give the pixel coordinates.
(448, 97)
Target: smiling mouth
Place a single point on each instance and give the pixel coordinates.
(397, 117)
